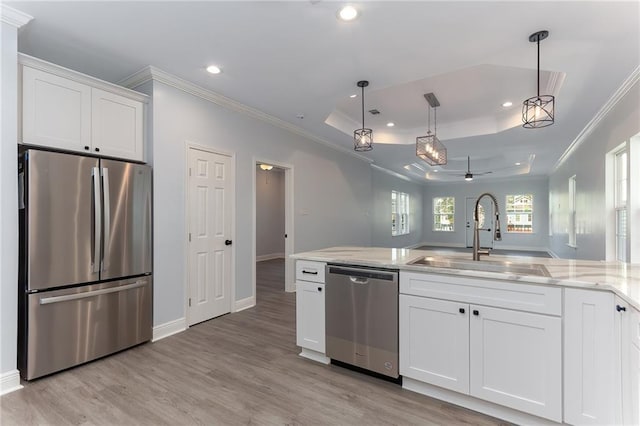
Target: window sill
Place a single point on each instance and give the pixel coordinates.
(400, 235)
(443, 230)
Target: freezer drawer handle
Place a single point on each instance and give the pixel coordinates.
(56, 299)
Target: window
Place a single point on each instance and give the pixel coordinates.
(620, 204)
(520, 213)
(444, 209)
(399, 213)
(572, 211)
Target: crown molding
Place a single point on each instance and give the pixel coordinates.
(627, 84)
(13, 17)
(396, 174)
(39, 64)
(151, 73)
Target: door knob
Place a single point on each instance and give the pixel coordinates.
(227, 242)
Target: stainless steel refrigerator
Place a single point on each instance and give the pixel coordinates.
(85, 282)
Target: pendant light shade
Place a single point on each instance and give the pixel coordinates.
(429, 148)
(363, 138)
(538, 111)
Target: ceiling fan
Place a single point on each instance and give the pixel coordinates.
(469, 176)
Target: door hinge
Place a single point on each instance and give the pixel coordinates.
(189, 236)
(189, 171)
(189, 302)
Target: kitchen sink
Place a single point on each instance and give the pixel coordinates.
(505, 267)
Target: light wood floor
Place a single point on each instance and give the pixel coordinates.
(241, 368)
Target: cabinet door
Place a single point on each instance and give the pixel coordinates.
(434, 342)
(310, 316)
(56, 112)
(516, 360)
(630, 365)
(591, 395)
(116, 125)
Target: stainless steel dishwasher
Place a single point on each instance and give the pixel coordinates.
(362, 317)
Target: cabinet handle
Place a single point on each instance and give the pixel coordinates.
(476, 312)
(86, 147)
(621, 308)
(310, 272)
(320, 289)
(461, 310)
(97, 149)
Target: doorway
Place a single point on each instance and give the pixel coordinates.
(210, 205)
(485, 220)
(273, 228)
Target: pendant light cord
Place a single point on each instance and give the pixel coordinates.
(538, 66)
(435, 121)
(363, 107)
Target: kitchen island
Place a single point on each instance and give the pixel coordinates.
(558, 346)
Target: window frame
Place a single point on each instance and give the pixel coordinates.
(621, 161)
(401, 209)
(440, 214)
(517, 213)
(572, 230)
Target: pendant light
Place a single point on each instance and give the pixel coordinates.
(363, 138)
(538, 111)
(429, 148)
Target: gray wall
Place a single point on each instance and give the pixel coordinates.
(269, 212)
(320, 174)
(587, 162)
(383, 183)
(9, 200)
(538, 186)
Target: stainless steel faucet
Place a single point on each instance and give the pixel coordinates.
(476, 227)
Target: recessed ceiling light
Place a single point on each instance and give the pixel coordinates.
(517, 164)
(348, 13)
(391, 124)
(353, 96)
(507, 104)
(214, 69)
(435, 171)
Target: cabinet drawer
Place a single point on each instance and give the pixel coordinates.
(503, 294)
(307, 270)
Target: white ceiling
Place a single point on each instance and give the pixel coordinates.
(291, 58)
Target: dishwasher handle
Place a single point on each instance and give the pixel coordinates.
(363, 273)
(357, 280)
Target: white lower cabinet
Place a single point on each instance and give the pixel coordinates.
(310, 315)
(434, 342)
(516, 360)
(591, 358)
(630, 362)
(503, 356)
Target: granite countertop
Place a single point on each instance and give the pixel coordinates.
(621, 278)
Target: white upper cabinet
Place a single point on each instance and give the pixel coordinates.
(67, 110)
(116, 125)
(56, 111)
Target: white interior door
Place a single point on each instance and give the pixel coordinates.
(210, 185)
(486, 218)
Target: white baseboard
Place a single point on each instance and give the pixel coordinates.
(455, 245)
(412, 246)
(475, 404)
(553, 254)
(271, 256)
(9, 382)
(246, 303)
(314, 356)
(169, 328)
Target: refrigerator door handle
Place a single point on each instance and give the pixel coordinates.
(66, 298)
(107, 217)
(97, 215)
